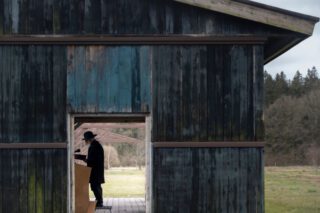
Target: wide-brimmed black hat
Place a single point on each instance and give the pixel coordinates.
(88, 135)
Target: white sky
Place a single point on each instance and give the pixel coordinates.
(306, 54)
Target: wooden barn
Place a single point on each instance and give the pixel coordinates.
(192, 70)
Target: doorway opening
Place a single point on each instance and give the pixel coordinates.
(126, 142)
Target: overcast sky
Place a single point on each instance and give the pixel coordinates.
(306, 54)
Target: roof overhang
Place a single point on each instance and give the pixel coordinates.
(300, 25)
(261, 13)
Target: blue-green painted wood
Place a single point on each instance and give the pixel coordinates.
(109, 79)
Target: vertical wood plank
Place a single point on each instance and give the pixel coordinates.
(244, 95)
(59, 182)
(202, 93)
(39, 180)
(145, 66)
(24, 19)
(22, 180)
(59, 98)
(7, 14)
(1, 16)
(36, 16)
(2, 173)
(243, 189)
(227, 96)
(236, 67)
(15, 16)
(92, 22)
(48, 16)
(258, 97)
(76, 16)
(31, 183)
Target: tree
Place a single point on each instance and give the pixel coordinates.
(131, 154)
(312, 79)
(269, 89)
(111, 158)
(297, 85)
(281, 84)
(292, 127)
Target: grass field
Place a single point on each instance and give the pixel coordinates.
(292, 189)
(287, 189)
(123, 182)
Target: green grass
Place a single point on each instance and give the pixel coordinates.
(292, 190)
(287, 189)
(123, 182)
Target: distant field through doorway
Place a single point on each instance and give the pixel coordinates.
(124, 144)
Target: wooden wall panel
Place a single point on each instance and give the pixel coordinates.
(109, 79)
(258, 94)
(33, 109)
(119, 17)
(33, 94)
(179, 93)
(208, 93)
(33, 181)
(208, 180)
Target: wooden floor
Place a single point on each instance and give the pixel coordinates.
(124, 205)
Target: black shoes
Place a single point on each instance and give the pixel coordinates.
(99, 205)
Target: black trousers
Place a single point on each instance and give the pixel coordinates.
(97, 191)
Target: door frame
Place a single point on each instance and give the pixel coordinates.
(107, 118)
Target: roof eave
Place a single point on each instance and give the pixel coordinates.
(261, 13)
(276, 51)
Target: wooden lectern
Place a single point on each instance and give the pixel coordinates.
(82, 202)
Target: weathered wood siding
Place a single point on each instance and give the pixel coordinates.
(208, 180)
(33, 94)
(33, 110)
(199, 93)
(33, 181)
(193, 92)
(207, 93)
(105, 79)
(119, 17)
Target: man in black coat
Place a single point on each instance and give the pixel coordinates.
(95, 160)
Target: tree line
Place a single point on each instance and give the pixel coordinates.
(126, 154)
(292, 118)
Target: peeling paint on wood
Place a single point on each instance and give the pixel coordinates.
(109, 79)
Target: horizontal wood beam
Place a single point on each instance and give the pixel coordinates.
(257, 12)
(129, 40)
(213, 144)
(109, 119)
(48, 145)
